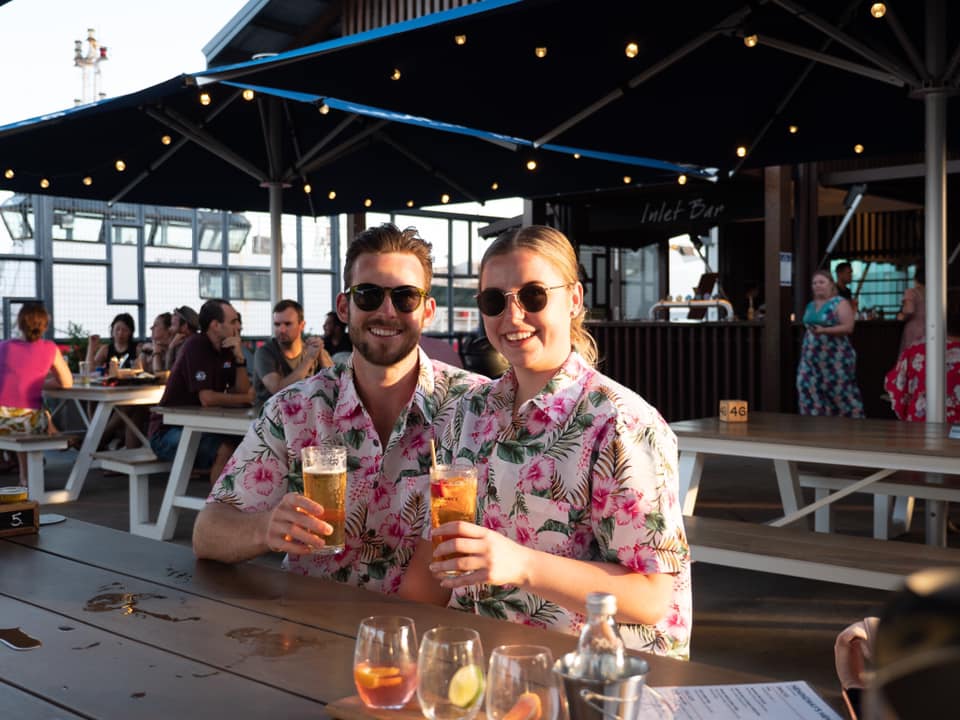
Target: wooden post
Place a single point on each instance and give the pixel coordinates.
(776, 333)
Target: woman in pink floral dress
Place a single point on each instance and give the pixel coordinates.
(578, 488)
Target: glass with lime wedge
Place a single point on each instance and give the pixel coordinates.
(450, 674)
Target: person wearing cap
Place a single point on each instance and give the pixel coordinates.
(183, 323)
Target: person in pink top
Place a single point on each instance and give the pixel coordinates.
(27, 365)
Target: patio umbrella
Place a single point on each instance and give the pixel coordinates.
(240, 147)
(724, 83)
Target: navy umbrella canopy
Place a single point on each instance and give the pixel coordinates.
(673, 80)
(223, 153)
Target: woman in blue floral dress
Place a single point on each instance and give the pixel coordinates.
(827, 373)
(578, 486)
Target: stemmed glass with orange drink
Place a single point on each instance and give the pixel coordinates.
(385, 661)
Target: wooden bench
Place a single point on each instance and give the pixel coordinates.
(845, 559)
(33, 445)
(138, 464)
(904, 485)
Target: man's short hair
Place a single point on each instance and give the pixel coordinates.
(212, 310)
(287, 305)
(388, 238)
(841, 267)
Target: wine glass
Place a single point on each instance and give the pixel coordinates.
(521, 684)
(385, 661)
(450, 674)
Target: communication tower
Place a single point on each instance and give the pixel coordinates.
(89, 64)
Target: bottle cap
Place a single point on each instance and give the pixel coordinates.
(605, 603)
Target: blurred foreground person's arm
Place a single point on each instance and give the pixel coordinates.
(852, 650)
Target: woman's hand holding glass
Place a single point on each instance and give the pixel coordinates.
(484, 556)
(521, 684)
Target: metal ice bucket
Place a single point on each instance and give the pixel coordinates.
(603, 700)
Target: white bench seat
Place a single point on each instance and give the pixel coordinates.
(845, 559)
(33, 445)
(139, 464)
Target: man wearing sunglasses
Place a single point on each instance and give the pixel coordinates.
(385, 405)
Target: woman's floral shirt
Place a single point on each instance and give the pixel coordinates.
(587, 469)
(387, 490)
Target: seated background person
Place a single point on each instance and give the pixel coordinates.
(286, 358)
(184, 323)
(335, 337)
(210, 372)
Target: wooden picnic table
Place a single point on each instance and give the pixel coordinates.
(132, 627)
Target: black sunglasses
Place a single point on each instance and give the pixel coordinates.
(369, 297)
(531, 298)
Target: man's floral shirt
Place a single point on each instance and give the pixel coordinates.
(587, 469)
(387, 490)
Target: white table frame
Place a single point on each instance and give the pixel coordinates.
(786, 452)
(195, 421)
(108, 400)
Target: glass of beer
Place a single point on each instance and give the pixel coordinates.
(325, 482)
(453, 496)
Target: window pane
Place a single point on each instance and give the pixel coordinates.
(81, 298)
(125, 235)
(211, 284)
(78, 227)
(317, 246)
(256, 248)
(288, 230)
(167, 288)
(641, 282)
(317, 301)
(125, 272)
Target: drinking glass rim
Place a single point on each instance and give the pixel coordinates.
(522, 651)
(398, 620)
(435, 635)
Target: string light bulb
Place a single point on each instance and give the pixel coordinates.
(205, 98)
(494, 185)
(165, 139)
(332, 195)
(682, 179)
(460, 39)
(368, 202)
(247, 94)
(878, 10)
(858, 148)
(307, 188)
(540, 51)
(627, 179)
(576, 156)
(8, 173)
(410, 203)
(445, 198)
(741, 151)
(793, 129)
(395, 75)
(120, 165)
(87, 181)
(531, 164)
(44, 183)
(751, 40)
(324, 109)
(631, 50)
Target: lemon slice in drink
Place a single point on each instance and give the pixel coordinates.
(466, 686)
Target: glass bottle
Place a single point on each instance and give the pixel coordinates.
(601, 654)
(114, 367)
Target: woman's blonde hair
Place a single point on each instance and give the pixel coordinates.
(553, 246)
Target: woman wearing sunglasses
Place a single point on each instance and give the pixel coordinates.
(578, 488)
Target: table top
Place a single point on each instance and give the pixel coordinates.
(837, 433)
(107, 393)
(217, 419)
(132, 627)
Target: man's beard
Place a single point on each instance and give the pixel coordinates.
(285, 344)
(376, 355)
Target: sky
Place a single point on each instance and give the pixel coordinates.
(146, 43)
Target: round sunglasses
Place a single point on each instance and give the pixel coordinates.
(368, 297)
(531, 298)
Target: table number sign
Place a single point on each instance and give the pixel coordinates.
(733, 411)
(20, 518)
